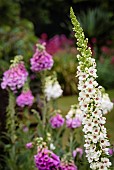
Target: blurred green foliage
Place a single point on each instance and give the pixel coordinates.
(54, 15)
(16, 34)
(65, 64)
(96, 23)
(105, 73)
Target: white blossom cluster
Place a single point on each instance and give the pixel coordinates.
(107, 105)
(52, 88)
(90, 102)
(74, 112)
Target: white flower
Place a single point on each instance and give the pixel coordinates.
(92, 72)
(52, 88)
(52, 147)
(56, 90)
(106, 162)
(107, 105)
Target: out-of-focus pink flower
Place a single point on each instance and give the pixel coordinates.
(25, 129)
(56, 43)
(57, 121)
(32, 76)
(105, 49)
(53, 45)
(112, 60)
(111, 151)
(29, 145)
(68, 166)
(78, 150)
(93, 40)
(44, 36)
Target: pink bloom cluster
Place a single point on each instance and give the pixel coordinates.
(74, 117)
(29, 145)
(15, 77)
(111, 151)
(78, 151)
(56, 43)
(73, 123)
(57, 121)
(68, 166)
(25, 99)
(41, 60)
(46, 160)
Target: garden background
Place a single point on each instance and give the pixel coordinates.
(23, 23)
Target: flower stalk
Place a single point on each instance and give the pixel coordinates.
(90, 102)
(11, 117)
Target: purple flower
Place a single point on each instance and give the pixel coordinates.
(25, 129)
(29, 145)
(73, 122)
(15, 77)
(78, 150)
(57, 121)
(111, 151)
(41, 60)
(68, 166)
(46, 160)
(25, 99)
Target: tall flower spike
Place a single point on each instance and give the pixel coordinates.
(15, 77)
(90, 101)
(41, 60)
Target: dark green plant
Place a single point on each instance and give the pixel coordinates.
(96, 23)
(105, 73)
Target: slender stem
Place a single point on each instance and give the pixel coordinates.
(11, 128)
(11, 117)
(54, 103)
(71, 141)
(44, 109)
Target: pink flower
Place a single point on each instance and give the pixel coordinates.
(46, 160)
(25, 129)
(73, 122)
(68, 166)
(56, 43)
(112, 60)
(111, 151)
(57, 121)
(29, 145)
(15, 77)
(78, 150)
(93, 40)
(105, 49)
(25, 99)
(41, 60)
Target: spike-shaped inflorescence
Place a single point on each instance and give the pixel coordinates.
(90, 98)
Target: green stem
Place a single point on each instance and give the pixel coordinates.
(44, 109)
(26, 115)
(11, 128)
(71, 141)
(11, 117)
(54, 103)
